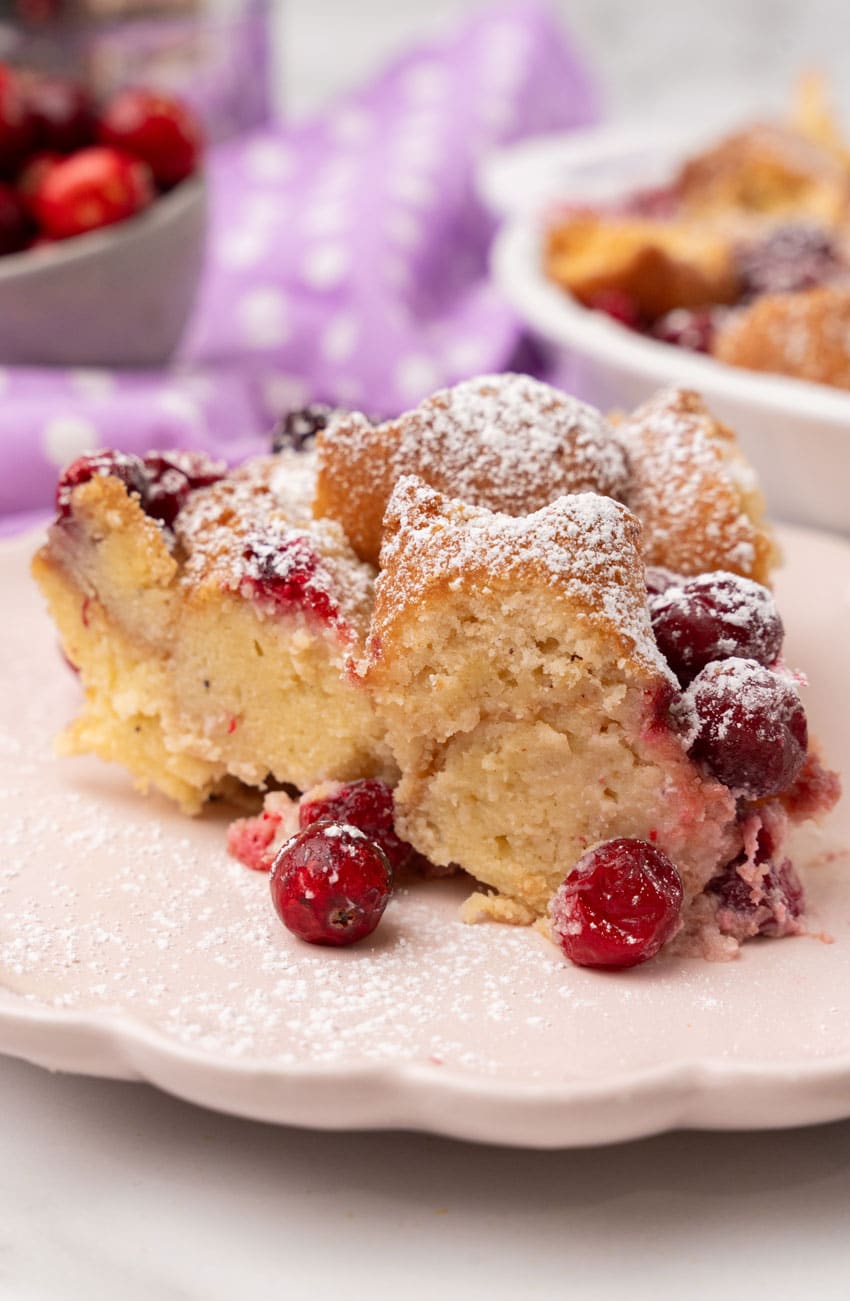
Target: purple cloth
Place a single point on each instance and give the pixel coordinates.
(347, 262)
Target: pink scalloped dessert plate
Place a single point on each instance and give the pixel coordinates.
(132, 947)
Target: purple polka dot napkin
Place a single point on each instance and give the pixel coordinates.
(347, 261)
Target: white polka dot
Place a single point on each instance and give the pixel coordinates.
(283, 393)
(403, 228)
(417, 150)
(340, 338)
(416, 375)
(325, 266)
(201, 387)
(466, 355)
(261, 210)
(411, 187)
(267, 160)
(181, 405)
(351, 126)
(496, 111)
(95, 384)
(337, 177)
(328, 218)
(241, 248)
(426, 82)
(67, 437)
(261, 314)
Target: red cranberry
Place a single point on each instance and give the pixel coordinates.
(285, 571)
(367, 805)
(297, 430)
(789, 259)
(751, 730)
(712, 617)
(618, 304)
(249, 839)
(160, 130)
(64, 114)
(330, 884)
(163, 480)
(33, 176)
(618, 906)
(687, 327)
(765, 906)
(93, 188)
(15, 226)
(121, 465)
(17, 124)
(172, 476)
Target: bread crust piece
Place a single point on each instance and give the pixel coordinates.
(804, 335)
(194, 681)
(525, 698)
(660, 265)
(694, 491)
(507, 442)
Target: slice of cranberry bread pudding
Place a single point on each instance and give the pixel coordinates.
(212, 621)
(530, 710)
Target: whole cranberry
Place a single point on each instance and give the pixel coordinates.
(93, 188)
(367, 805)
(712, 617)
(160, 130)
(285, 572)
(17, 124)
(172, 476)
(687, 327)
(749, 725)
(297, 430)
(330, 884)
(618, 906)
(791, 258)
(121, 465)
(659, 579)
(16, 229)
(63, 112)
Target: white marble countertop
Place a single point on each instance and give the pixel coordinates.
(113, 1192)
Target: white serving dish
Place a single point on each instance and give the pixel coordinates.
(796, 433)
(114, 297)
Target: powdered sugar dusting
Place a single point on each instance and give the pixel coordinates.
(583, 546)
(255, 526)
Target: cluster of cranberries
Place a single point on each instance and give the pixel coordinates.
(332, 881)
(161, 480)
(68, 165)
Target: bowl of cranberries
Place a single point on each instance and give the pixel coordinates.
(102, 222)
(793, 430)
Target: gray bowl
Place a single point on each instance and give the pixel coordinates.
(116, 297)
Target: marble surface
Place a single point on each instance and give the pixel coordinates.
(112, 1191)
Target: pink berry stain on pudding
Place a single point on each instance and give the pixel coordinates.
(330, 884)
(620, 903)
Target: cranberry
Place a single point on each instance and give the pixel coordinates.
(162, 480)
(330, 884)
(63, 112)
(160, 130)
(15, 226)
(789, 259)
(297, 430)
(17, 124)
(687, 327)
(712, 617)
(172, 476)
(619, 305)
(249, 840)
(765, 906)
(32, 178)
(121, 465)
(93, 188)
(367, 805)
(618, 905)
(751, 730)
(286, 572)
